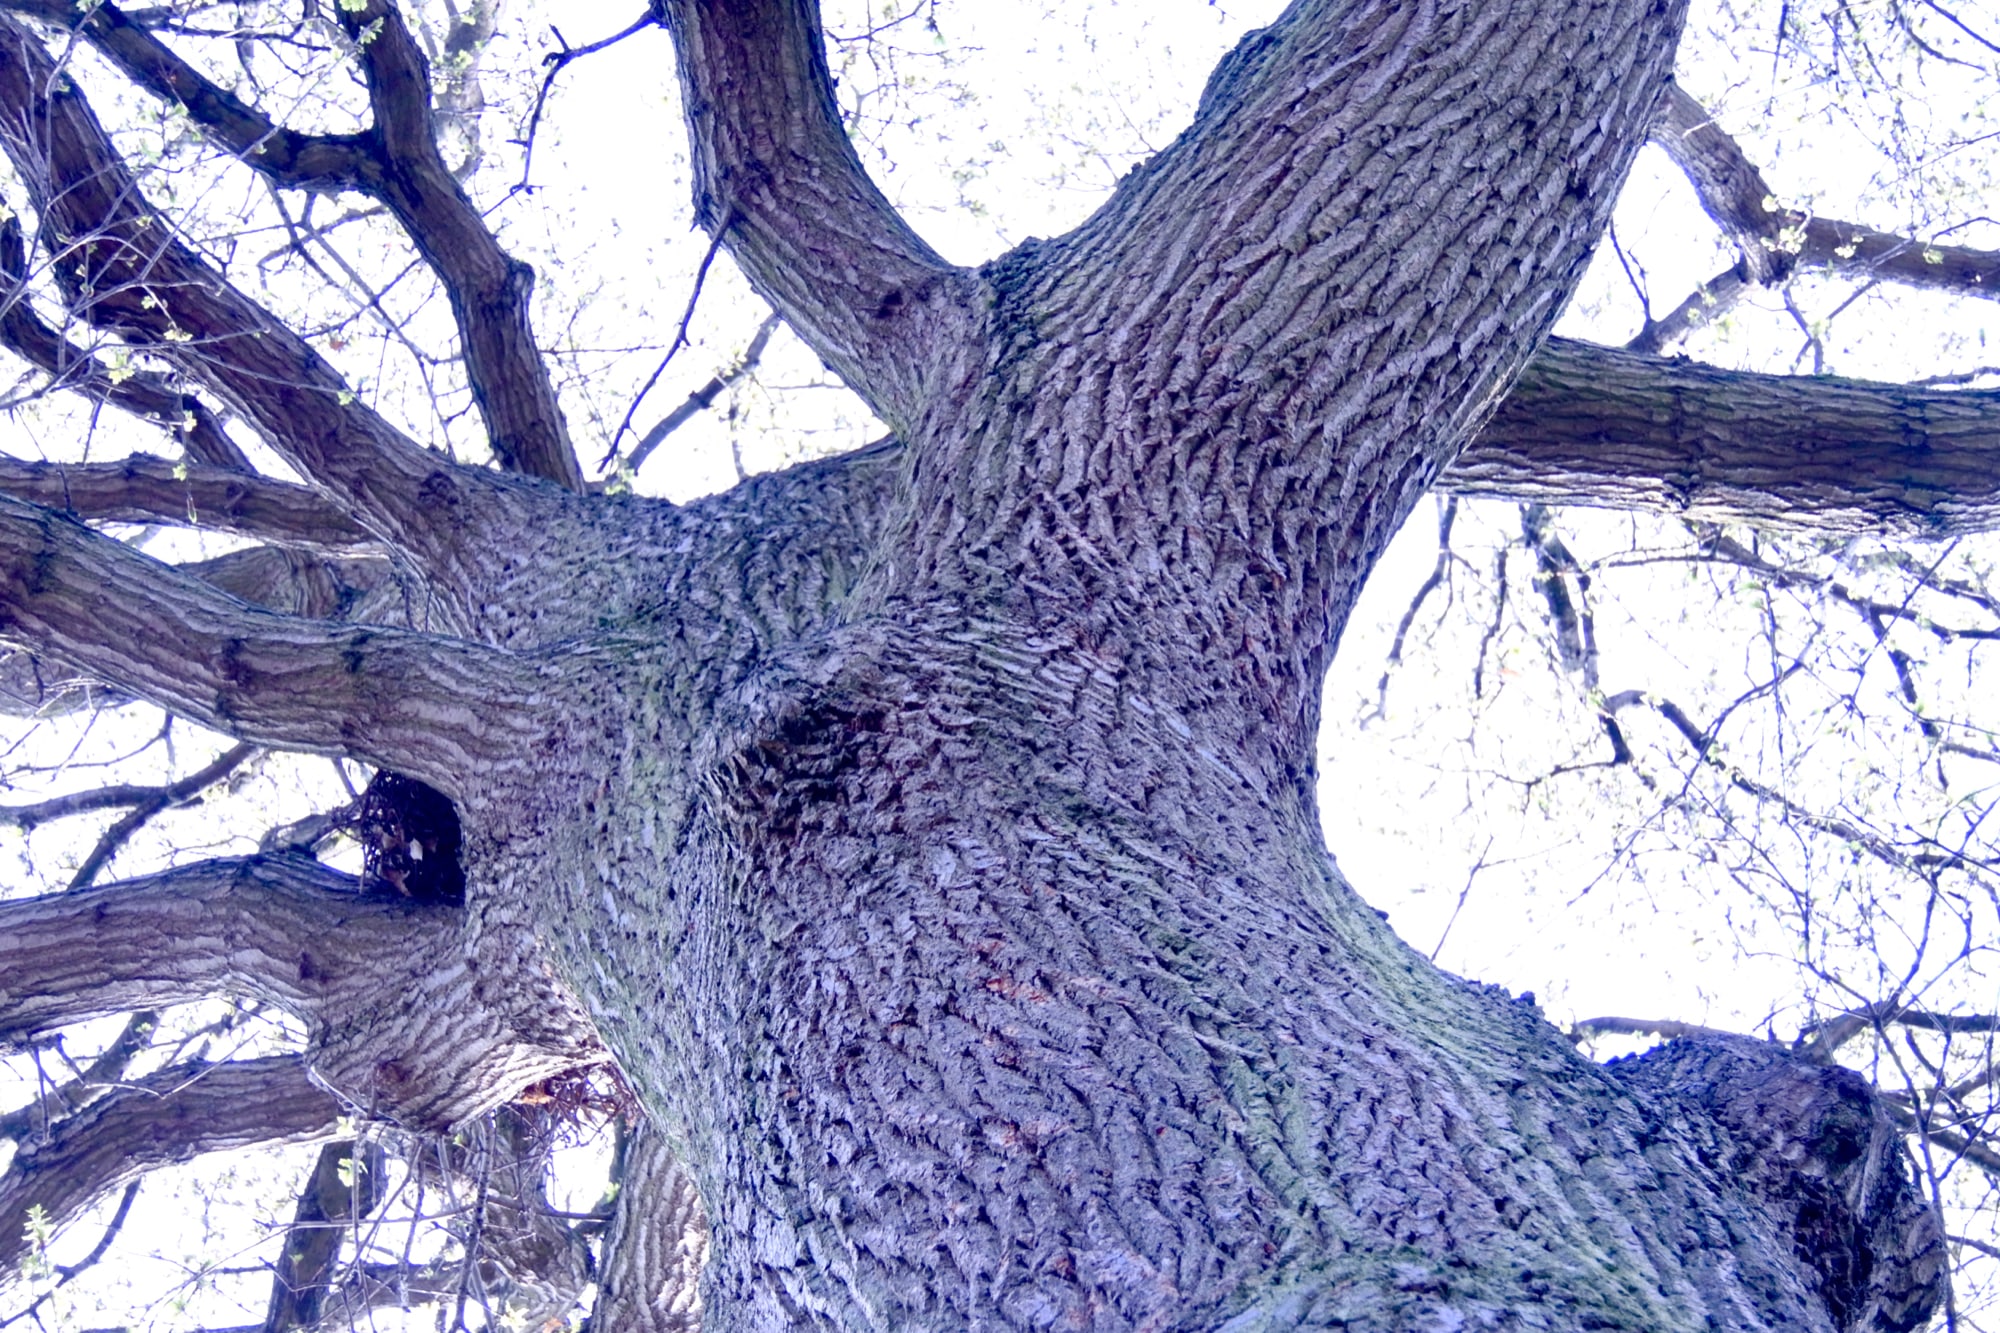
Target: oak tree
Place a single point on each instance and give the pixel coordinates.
(926, 834)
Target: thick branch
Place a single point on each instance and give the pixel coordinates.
(121, 265)
(397, 162)
(1588, 425)
(653, 1255)
(144, 489)
(400, 1018)
(172, 1117)
(288, 580)
(776, 176)
(282, 929)
(387, 696)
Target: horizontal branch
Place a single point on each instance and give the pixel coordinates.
(174, 1116)
(144, 489)
(391, 697)
(281, 929)
(1587, 425)
(778, 181)
(400, 1018)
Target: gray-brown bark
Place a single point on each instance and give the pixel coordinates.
(929, 834)
(404, 1017)
(658, 1243)
(174, 1116)
(1591, 425)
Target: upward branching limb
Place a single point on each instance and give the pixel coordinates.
(391, 697)
(122, 267)
(490, 291)
(396, 161)
(778, 180)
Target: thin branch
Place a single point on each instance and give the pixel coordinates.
(555, 63)
(680, 341)
(698, 401)
(27, 817)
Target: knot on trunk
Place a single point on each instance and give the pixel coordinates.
(1816, 1146)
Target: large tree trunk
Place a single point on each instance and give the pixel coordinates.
(976, 946)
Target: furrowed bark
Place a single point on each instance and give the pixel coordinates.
(143, 489)
(406, 1016)
(122, 268)
(388, 696)
(776, 179)
(650, 1281)
(1367, 195)
(181, 1113)
(1597, 426)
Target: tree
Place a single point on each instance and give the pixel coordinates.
(928, 833)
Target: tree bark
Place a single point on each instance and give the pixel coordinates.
(1591, 425)
(174, 1116)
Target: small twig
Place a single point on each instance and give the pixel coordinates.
(557, 61)
(135, 819)
(680, 339)
(699, 400)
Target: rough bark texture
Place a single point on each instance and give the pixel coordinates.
(1626, 431)
(930, 833)
(657, 1245)
(405, 1022)
(172, 1117)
